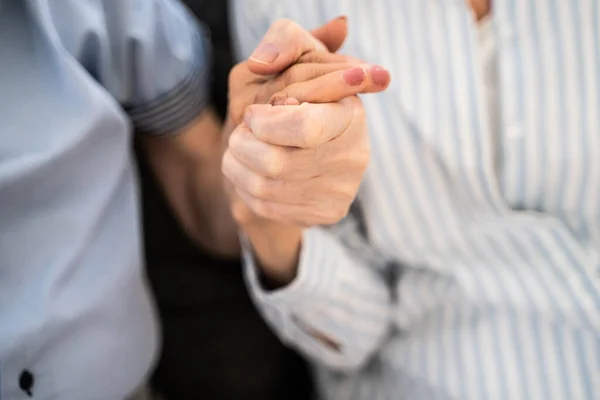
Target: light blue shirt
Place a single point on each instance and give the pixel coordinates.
(75, 311)
(472, 271)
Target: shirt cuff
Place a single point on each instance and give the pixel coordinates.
(172, 111)
(316, 277)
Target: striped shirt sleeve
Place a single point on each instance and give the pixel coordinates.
(152, 56)
(337, 310)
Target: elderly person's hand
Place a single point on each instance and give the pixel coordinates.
(303, 57)
(297, 161)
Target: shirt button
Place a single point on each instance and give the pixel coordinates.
(26, 381)
(514, 131)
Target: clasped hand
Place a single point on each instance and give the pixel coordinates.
(297, 154)
(298, 159)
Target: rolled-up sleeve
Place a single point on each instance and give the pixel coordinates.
(151, 55)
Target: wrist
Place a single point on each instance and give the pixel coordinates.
(276, 249)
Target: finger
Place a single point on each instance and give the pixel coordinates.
(299, 215)
(265, 188)
(266, 87)
(335, 86)
(305, 125)
(322, 57)
(290, 163)
(263, 158)
(282, 46)
(332, 34)
(305, 72)
(269, 210)
(301, 73)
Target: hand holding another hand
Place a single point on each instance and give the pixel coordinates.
(299, 165)
(298, 161)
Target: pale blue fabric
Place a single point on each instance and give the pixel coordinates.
(74, 307)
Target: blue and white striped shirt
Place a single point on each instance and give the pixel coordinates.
(76, 321)
(477, 273)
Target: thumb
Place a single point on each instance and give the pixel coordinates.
(286, 42)
(332, 34)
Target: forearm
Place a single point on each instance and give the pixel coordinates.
(336, 310)
(276, 250)
(188, 168)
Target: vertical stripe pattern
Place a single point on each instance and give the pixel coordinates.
(492, 228)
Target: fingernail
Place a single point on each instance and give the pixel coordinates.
(342, 18)
(265, 53)
(380, 76)
(355, 76)
(290, 101)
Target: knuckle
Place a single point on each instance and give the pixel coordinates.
(309, 130)
(315, 71)
(274, 162)
(235, 139)
(299, 73)
(253, 117)
(225, 164)
(314, 133)
(323, 57)
(310, 57)
(336, 215)
(259, 187)
(317, 57)
(262, 208)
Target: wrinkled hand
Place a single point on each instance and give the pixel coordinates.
(298, 164)
(304, 57)
(202, 203)
(264, 150)
(299, 160)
